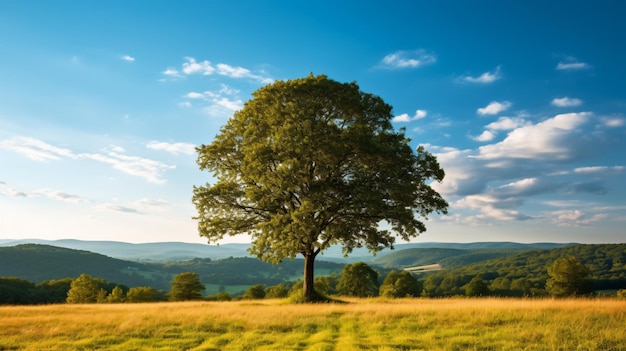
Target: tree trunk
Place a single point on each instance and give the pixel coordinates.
(308, 289)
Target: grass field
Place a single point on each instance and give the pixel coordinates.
(417, 324)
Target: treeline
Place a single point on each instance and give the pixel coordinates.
(526, 273)
(567, 276)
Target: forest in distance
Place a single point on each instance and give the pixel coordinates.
(43, 273)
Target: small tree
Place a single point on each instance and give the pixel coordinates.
(117, 295)
(276, 291)
(255, 292)
(568, 277)
(358, 280)
(84, 289)
(476, 287)
(186, 286)
(223, 296)
(311, 163)
(400, 284)
(143, 294)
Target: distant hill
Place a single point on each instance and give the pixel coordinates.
(177, 251)
(447, 258)
(37, 263)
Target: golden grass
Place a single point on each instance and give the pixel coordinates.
(362, 324)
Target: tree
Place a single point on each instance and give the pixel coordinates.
(309, 163)
(84, 289)
(400, 284)
(117, 295)
(568, 277)
(186, 286)
(255, 292)
(476, 287)
(143, 294)
(276, 291)
(358, 280)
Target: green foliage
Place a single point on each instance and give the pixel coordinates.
(568, 277)
(400, 284)
(309, 163)
(55, 291)
(186, 286)
(117, 295)
(84, 289)
(255, 292)
(527, 274)
(621, 293)
(276, 291)
(16, 291)
(143, 294)
(223, 296)
(476, 287)
(358, 280)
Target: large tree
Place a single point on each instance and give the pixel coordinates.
(309, 163)
(568, 277)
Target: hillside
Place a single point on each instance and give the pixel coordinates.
(455, 255)
(37, 263)
(177, 251)
(525, 273)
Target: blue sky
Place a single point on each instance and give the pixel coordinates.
(102, 103)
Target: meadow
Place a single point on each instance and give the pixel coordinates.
(359, 324)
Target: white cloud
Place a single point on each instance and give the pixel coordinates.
(145, 168)
(506, 123)
(494, 108)
(572, 64)
(194, 95)
(35, 149)
(495, 182)
(575, 218)
(600, 170)
(174, 148)
(193, 67)
(232, 105)
(59, 196)
(485, 136)
(128, 58)
(553, 139)
(407, 59)
(206, 68)
(566, 102)
(485, 78)
(222, 105)
(38, 150)
(171, 72)
(419, 114)
(613, 122)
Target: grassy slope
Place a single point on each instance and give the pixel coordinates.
(441, 324)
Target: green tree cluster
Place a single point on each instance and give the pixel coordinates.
(568, 277)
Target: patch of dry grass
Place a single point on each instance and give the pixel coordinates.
(361, 324)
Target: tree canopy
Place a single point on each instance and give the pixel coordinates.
(186, 286)
(309, 163)
(358, 280)
(568, 277)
